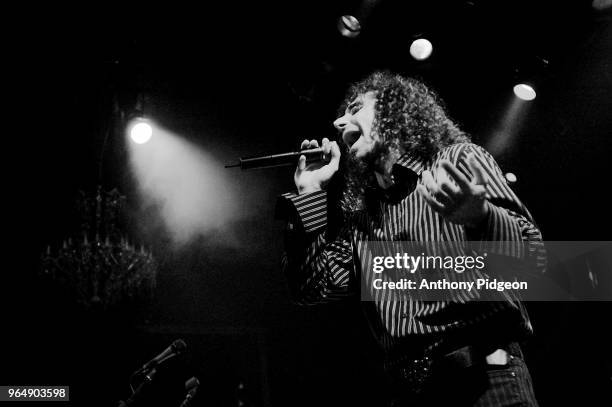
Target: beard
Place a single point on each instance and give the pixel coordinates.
(359, 177)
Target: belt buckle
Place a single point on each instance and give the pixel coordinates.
(416, 374)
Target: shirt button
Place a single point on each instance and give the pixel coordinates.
(404, 315)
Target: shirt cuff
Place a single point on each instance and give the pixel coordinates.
(499, 234)
(309, 210)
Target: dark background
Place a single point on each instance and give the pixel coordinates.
(241, 79)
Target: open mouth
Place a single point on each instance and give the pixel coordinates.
(351, 136)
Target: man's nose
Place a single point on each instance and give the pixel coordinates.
(341, 122)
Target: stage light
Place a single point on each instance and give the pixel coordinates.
(349, 26)
(510, 177)
(421, 49)
(141, 132)
(524, 92)
(185, 188)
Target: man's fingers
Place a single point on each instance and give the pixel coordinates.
(334, 161)
(302, 163)
(316, 174)
(449, 189)
(480, 176)
(444, 198)
(459, 178)
(429, 182)
(480, 191)
(326, 146)
(436, 198)
(308, 144)
(435, 205)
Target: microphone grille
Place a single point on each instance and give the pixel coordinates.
(192, 383)
(179, 346)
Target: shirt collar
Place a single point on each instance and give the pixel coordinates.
(411, 162)
(405, 172)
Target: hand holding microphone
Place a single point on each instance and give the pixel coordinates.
(315, 176)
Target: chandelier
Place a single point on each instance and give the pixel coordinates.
(98, 266)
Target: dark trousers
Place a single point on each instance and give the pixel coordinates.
(478, 385)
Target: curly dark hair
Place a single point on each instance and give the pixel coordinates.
(408, 118)
(409, 115)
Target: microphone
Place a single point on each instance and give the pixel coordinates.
(191, 386)
(279, 160)
(175, 349)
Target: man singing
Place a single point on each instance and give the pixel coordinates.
(410, 174)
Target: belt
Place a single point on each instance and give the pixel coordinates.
(414, 374)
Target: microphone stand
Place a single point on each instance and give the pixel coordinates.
(141, 387)
(191, 386)
(150, 369)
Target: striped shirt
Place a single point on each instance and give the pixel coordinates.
(322, 265)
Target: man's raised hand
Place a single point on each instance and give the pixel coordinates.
(462, 201)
